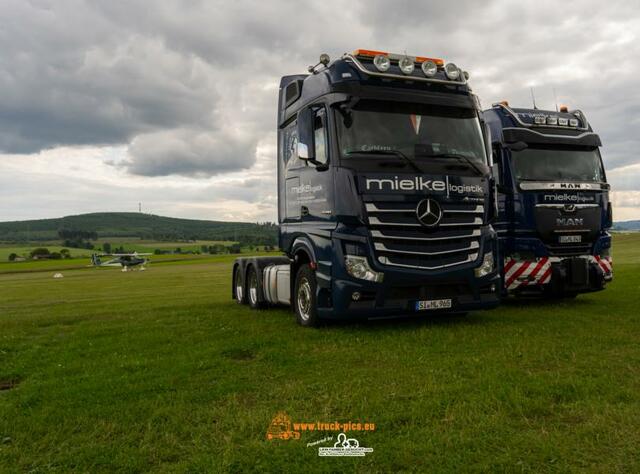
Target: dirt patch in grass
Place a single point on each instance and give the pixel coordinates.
(9, 383)
(239, 354)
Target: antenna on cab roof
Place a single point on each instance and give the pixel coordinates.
(555, 97)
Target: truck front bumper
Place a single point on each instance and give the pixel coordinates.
(557, 275)
(403, 295)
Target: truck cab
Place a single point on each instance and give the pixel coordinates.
(385, 197)
(553, 198)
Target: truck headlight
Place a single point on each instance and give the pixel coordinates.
(406, 65)
(429, 68)
(358, 267)
(486, 267)
(452, 72)
(381, 62)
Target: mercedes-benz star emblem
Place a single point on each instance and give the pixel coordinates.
(429, 212)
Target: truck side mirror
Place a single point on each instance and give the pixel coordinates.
(306, 145)
(492, 211)
(495, 171)
(487, 144)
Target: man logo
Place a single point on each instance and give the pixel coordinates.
(569, 221)
(429, 212)
(569, 208)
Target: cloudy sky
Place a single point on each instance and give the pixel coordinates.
(105, 104)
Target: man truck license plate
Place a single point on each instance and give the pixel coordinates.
(432, 304)
(570, 239)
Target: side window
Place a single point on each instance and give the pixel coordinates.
(290, 145)
(320, 136)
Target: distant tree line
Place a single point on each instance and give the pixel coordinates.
(77, 234)
(42, 253)
(79, 239)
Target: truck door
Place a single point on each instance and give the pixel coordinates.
(291, 165)
(311, 195)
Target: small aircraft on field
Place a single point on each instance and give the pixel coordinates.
(125, 260)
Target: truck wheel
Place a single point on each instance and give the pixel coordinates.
(253, 288)
(238, 290)
(304, 299)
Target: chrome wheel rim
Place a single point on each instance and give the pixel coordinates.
(239, 291)
(304, 299)
(253, 287)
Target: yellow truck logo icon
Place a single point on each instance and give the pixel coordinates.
(280, 428)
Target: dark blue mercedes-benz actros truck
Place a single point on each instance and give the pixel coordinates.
(553, 198)
(385, 199)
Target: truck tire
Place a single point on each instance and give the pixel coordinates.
(253, 288)
(304, 297)
(238, 290)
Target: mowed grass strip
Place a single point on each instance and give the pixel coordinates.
(161, 370)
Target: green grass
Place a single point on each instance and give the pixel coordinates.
(38, 266)
(161, 371)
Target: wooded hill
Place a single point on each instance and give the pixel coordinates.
(142, 226)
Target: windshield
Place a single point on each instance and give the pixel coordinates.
(552, 164)
(420, 132)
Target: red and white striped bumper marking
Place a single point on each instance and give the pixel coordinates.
(606, 264)
(519, 273)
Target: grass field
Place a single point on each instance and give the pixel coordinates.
(161, 371)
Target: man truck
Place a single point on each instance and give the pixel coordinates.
(385, 198)
(553, 198)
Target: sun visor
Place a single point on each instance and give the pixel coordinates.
(512, 135)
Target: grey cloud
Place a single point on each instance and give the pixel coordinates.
(626, 199)
(624, 179)
(189, 153)
(86, 186)
(101, 73)
(189, 86)
(74, 92)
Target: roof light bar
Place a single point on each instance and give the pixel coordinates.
(370, 53)
(543, 118)
(383, 60)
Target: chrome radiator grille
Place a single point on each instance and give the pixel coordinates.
(401, 240)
